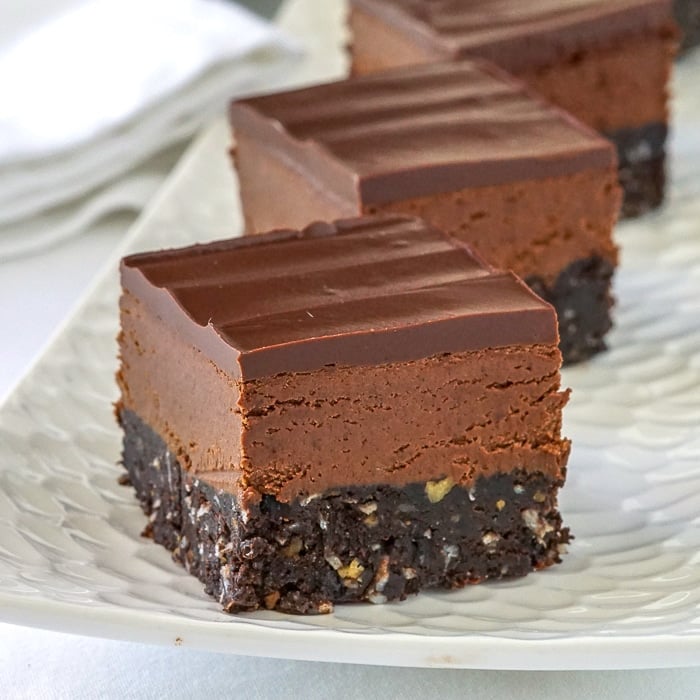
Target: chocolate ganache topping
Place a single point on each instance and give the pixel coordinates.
(519, 34)
(419, 131)
(357, 292)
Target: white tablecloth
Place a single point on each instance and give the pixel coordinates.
(36, 293)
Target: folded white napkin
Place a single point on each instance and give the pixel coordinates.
(98, 90)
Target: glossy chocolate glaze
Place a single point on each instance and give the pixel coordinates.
(419, 131)
(518, 34)
(358, 292)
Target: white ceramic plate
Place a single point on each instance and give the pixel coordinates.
(627, 594)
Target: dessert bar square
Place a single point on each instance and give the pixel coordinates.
(465, 147)
(606, 61)
(352, 412)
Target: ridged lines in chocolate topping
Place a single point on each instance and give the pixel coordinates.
(381, 244)
(377, 291)
(519, 33)
(313, 289)
(389, 99)
(422, 130)
(469, 17)
(415, 302)
(177, 268)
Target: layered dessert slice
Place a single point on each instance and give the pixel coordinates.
(353, 412)
(465, 147)
(606, 61)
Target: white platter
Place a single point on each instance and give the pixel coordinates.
(626, 596)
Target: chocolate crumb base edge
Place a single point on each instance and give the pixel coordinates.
(582, 297)
(641, 154)
(687, 14)
(374, 544)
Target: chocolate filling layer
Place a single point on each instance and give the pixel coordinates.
(367, 543)
(533, 227)
(189, 316)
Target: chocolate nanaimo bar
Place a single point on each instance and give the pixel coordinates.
(606, 61)
(463, 146)
(352, 412)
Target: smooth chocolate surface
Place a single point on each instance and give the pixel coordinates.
(419, 131)
(518, 34)
(358, 292)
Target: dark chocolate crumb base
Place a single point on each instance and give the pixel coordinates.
(644, 184)
(582, 298)
(642, 167)
(688, 17)
(371, 544)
